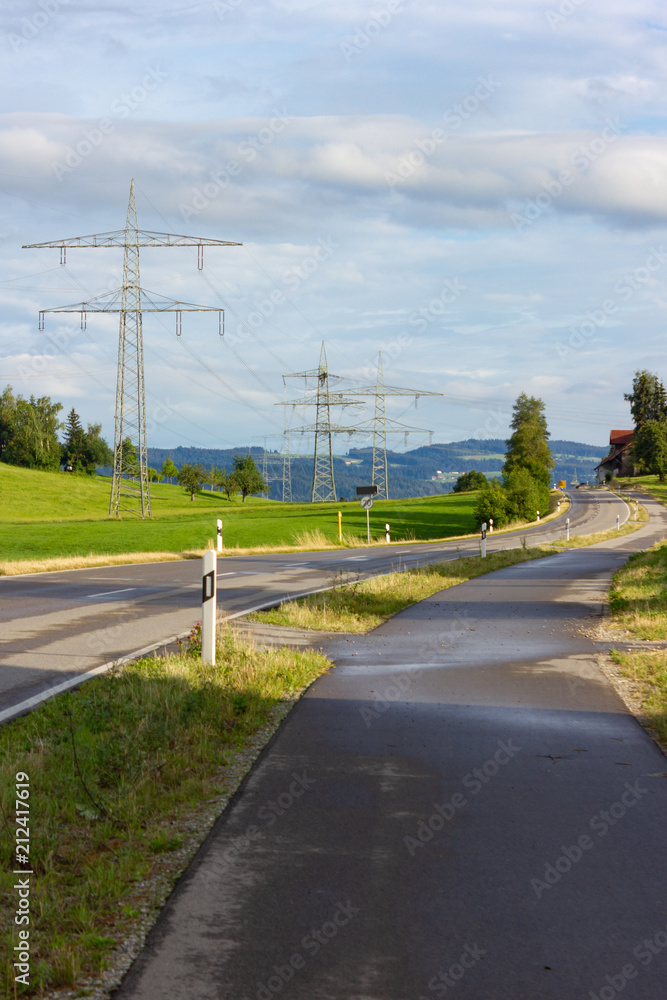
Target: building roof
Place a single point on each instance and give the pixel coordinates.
(618, 438)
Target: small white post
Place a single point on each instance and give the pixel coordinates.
(208, 606)
(538, 515)
(559, 504)
(219, 535)
(484, 540)
(368, 526)
(636, 508)
(567, 529)
(490, 525)
(618, 521)
(386, 536)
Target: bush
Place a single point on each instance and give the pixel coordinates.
(491, 503)
(472, 480)
(525, 496)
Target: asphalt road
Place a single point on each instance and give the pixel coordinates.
(463, 808)
(58, 627)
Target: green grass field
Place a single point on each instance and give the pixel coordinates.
(46, 515)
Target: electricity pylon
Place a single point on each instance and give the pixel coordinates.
(382, 425)
(130, 490)
(324, 485)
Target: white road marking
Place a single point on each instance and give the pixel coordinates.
(356, 558)
(107, 592)
(231, 573)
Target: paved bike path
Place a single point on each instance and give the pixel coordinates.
(463, 808)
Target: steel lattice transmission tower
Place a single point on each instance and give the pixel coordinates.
(324, 485)
(130, 490)
(382, 425)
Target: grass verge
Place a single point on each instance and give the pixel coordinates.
(121, 772)
(638, 602)
(362, 605)
(581, 541)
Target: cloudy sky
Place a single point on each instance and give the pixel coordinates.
(478, 190)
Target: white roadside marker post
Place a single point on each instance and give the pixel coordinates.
(636, 509)
(484, 540)
(490, 525)
(219, 535)
(567, 529)
(618, 522)
(386, 536)
(538, 515)
(208, 606)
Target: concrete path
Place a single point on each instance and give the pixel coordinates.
(462, 808)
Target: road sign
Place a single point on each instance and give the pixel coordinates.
(366, 491)
(367, 502)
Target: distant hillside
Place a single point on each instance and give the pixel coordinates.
(421, 472)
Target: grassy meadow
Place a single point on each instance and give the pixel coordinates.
(47, 514)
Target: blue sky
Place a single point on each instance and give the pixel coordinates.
(477, 190)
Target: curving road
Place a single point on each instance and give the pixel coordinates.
(58, 628)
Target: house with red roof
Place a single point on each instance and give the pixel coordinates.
(618, 461)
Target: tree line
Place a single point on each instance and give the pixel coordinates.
(524, 490)
(648, 405)
(29, 431)
(244, 477)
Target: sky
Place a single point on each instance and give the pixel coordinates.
(476, 190)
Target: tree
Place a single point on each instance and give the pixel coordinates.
(169, 470)
(74, 446)
(31, 432)
(247, 477)
(649, 448)
(227, 483)
(472, 480)
(192, 478)
(528, 446)
(525, 496)
(648, 400)
(491, 504)
(97, 451)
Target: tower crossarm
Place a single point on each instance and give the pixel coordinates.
(329, 399)
(144, 238)
(390, 390)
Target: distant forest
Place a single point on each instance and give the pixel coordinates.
(410, 472)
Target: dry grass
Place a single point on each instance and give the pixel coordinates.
(60, 563)
(117, 770)
(649, 672)
(361, 606)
